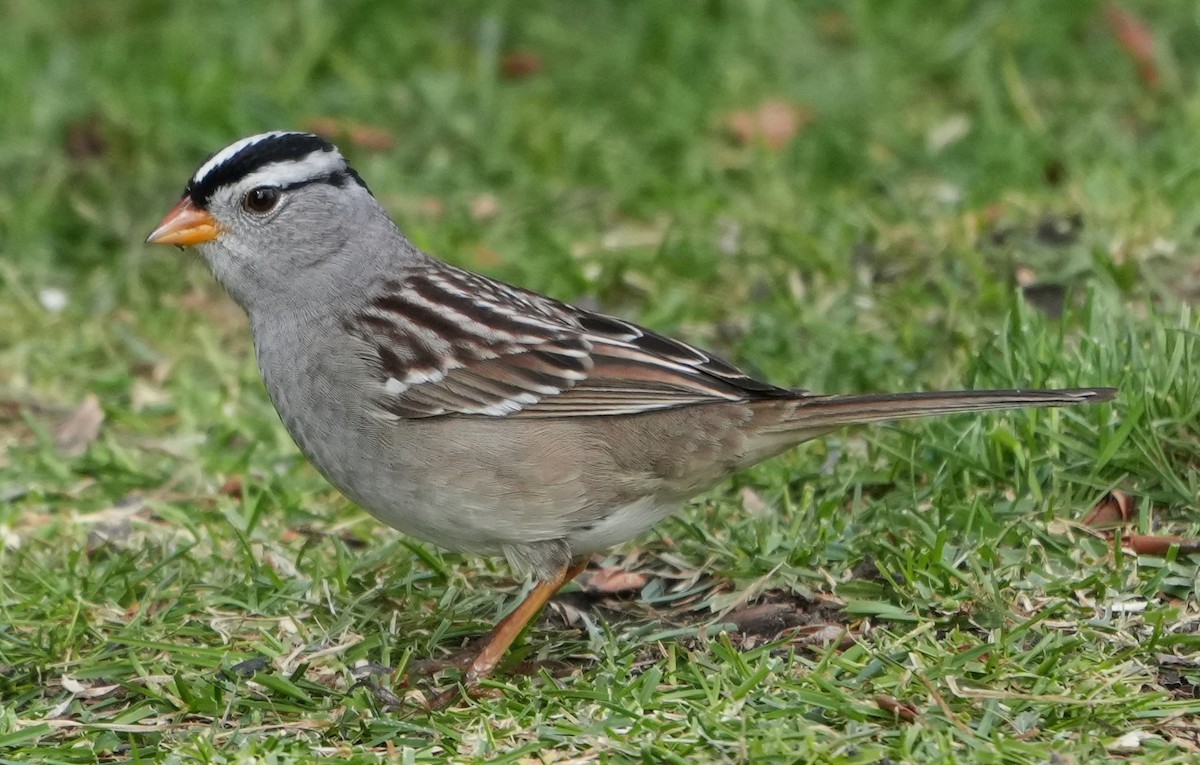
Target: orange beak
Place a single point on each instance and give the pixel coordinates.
(185, 225)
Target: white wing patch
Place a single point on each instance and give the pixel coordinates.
(422, 376)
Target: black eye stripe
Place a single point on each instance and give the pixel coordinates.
(340, 178)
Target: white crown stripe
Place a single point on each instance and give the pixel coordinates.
(318, 164)
(224, 155)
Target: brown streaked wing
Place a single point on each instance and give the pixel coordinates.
(453, 343)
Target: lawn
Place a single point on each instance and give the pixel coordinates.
(856, 196)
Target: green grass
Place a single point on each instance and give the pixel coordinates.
(188, 584)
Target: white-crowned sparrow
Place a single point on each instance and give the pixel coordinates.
(470, 413)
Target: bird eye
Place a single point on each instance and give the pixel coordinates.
(261, 200)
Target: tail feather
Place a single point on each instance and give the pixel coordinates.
(835, 411)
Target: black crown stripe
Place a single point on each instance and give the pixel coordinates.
(280, 148)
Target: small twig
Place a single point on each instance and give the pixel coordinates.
(902, 709)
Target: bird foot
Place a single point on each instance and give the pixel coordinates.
(480, 659)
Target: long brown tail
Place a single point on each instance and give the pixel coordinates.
(820, 412)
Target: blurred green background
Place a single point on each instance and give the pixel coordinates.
(614, 167)
(845, 196)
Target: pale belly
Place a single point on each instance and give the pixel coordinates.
(489, 484)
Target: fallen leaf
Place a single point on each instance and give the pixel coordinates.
(232, 487)
(519, 64)
(370, 137)
(73, 435)
(485, 206)
(615, 580)
(775, 123)
(329, 127)
(1114, 510)
(1136, 39)
(361, 135)
(1130, 742)
(902, 709)
(1150, 544)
